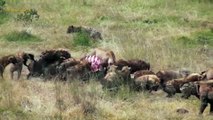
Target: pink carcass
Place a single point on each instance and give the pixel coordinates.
(95, 62)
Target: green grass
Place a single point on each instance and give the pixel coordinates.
(4, 17)
(167, 34)
(21, 37)
(13, 113)
(197, 39)
(82, 39)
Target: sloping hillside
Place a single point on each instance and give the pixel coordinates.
(169, 34)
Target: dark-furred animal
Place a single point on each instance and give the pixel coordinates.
(91, 32)
(51, 56)
(189, 89)
(121, 63)
(206, 95)
(66, 64)
(47, 58)
(81, 71)
(137, 65)
(134, 64)
(173, 86)
(166, 75)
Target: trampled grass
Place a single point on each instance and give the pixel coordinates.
(168, 34)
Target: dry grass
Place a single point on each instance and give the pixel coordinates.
(132, 29)
(56, 100)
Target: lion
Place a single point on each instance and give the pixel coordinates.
(107, 56)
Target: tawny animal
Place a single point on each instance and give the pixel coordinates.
(22, 59)
(208, 74)
(147, 82)
(142, 72)
(115, 78)
(6, 60)
(134, 64)
(107, 56)
(206, 95)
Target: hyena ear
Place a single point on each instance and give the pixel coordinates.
(12, 59)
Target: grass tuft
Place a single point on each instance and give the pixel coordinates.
(4, 17)
(22, 37)
(82, 39)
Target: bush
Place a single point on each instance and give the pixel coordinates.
(22, 36)
(28, 16)
(82, 39)
(2, 4)
(4, 17)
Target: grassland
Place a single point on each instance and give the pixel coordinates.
(169, 34)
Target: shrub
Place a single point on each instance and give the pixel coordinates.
(4, 16)
(2, 4)
(28, 16)
(22, 36)
(82, 39)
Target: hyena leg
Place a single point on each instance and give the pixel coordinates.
(211, 108)
(204, 104)
(19, 72)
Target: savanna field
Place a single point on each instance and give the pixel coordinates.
(169, 34)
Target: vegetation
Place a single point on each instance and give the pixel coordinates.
(168, 34)
(22, 37)
(198, 39)
(82, 39)
(2, 5)
(3, 14)
(4, 17)
(28, 16)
